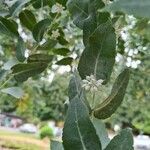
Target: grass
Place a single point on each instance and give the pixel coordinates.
(9, 133)
(14, 145)
(21, 141)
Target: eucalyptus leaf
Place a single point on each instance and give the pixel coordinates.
(48, 45)
(101, 132)
(94, 19)
(61, 51)
(2, 74)
(98, 58)
(41, 3)
(79, 132)
(44, 58)
(110, 105)
(138, 8)
(8, 27)
(4, 13)
(22, 72)
(55, 145)
(17, 7)
(27, 19)
(40, 28)
(75, 89)
(20, 50)
(65, 61)
(123, 141)
(62, 2)
(79, 11)
(82, 11)
(16, 92)
(62, 40)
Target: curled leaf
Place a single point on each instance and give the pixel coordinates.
(110, 105)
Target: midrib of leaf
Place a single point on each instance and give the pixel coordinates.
(97, 58)
(79, 92)
(40, 31)
(80, 9)
(107, 101)
(4, 26)
(39, 35)
(27, 18)
(100, 25)
(42, 4)
(22, 48)
(78, 128)
(20, 5)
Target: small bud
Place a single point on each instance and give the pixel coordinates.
(94, 89)
(57, 8)
(90, 83)
(55, 34)
(99, 82)
(87, 87)
(85, 81)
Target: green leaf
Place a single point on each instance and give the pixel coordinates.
(8, 27)
(83, 11)
(79, 132)
(2, 74)
(20, 50)
(101, 132)
(16, 92)
(55, 145)
(27, 19)
(4, 13)
(62, 2)
(40, 28)
(65, 61)
(48, 45)
(22, 72)
(75, 89)
(94, 19)
(62, 40)
(41, 3)
(79, 11)
(123, 141)
(98, 36)
(40, 58)
(98, 58)
(110, 105)
(138, 8)
(61, 51)
(17, 7)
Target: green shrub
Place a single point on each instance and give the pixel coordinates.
(42, 124)
(46, 131)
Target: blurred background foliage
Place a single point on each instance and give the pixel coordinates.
(44, 97)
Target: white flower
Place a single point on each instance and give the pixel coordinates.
(55, 34)
(67, 102)
(99, 82)
(57, 8)
(90, 83)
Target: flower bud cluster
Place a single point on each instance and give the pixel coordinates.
(55, 34)
(91, 84)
